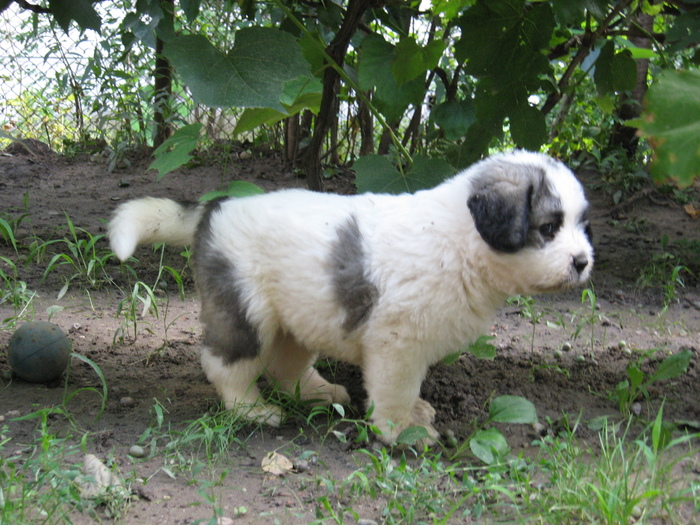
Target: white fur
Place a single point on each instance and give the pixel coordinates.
(438, 282)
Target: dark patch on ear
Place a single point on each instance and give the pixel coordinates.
(353, 289)
(227, 331)
(501, 213)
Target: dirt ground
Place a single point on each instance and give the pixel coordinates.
(160, 367)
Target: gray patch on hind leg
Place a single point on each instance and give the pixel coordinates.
(352, 287)
(227, 331)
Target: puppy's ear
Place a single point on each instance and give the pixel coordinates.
(501, 213)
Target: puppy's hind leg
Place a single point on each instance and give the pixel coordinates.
(291, 364)
(236, 384)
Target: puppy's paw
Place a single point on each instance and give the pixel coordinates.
(423, 412)
(390, 433)
(258, 413)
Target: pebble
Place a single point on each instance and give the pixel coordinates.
(127, 402)
(137, 451)
(566, 347)
(301, 465)
(636, 408)
(580, 358)
(366, 522)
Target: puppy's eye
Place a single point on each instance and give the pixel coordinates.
(548, 230)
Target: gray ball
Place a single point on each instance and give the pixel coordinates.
(39, 352)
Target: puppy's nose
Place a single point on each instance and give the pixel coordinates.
(580, 262)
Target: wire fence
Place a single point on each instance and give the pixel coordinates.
(65, 89)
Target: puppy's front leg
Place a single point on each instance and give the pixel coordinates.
(393, 381)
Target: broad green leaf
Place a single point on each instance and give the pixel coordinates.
(614, 72)
(637, 52)
(454, 117)
(636, 376)
(237, 188)
(673, 366)
(191, 8)
(412, 435)
(684, 31)
(375, 70)
(527, 126)
(489, 445)
(82, 11)
(449, 8)
(671, 122)
(7, 234)
(252, 74)
(312, 46)
(512, 409)
(412, 60)
(472, 147)
(504, 41)
(377, 174)
(428, 172)
(298, 95)
(175, 151)
(482, 348)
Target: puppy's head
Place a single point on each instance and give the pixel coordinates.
(532, 213)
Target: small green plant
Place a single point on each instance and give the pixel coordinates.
(638, 382)
(591, 318)
(134, 308)
(15, 292)
(487, 443)
(665, 271)
(83, 257)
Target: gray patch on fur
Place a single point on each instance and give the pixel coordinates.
(545, 210)
(352, 287)
(227, 331)
(510, 202)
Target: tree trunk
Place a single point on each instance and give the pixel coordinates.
(630, 103)
(366, 126)
(162, 92)
(336, 50)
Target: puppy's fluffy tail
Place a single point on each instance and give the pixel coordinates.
(150, 220)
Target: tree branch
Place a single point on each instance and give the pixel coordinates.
(32, 7)
(588, 42)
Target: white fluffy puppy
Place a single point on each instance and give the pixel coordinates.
(392, 283)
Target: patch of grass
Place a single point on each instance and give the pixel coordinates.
(667, 272)
(86, 262)
(638, 382)
(42, 482)
(15, 292)
(627, 480)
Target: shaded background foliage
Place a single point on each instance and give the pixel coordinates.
(416, 90)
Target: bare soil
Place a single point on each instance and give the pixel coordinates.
(160, 366)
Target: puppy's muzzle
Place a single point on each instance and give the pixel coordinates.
(579, 262)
